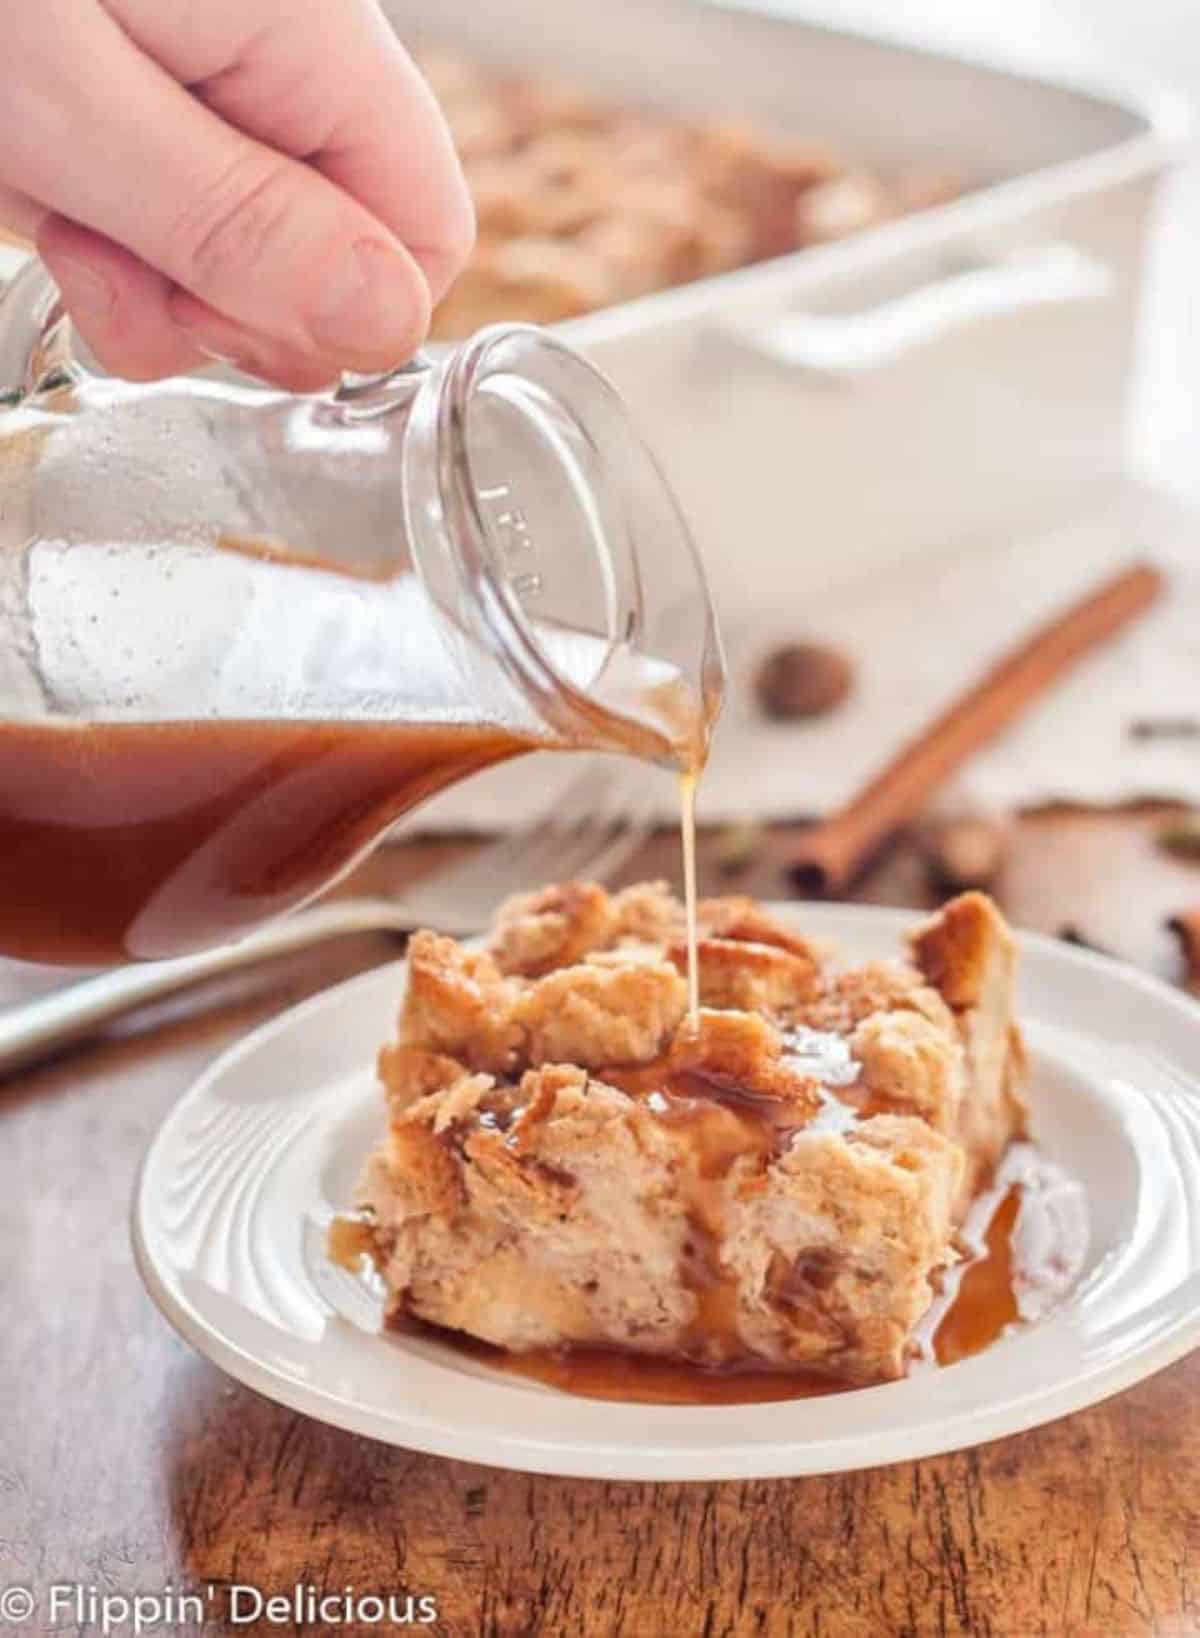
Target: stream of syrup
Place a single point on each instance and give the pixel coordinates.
(688, 780)
(975, 1302)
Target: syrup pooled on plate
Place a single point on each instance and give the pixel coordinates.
(604, 1373)
(985, 1303)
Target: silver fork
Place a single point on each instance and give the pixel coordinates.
(594, 826)
(600, 819)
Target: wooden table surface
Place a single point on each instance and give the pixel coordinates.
(129, 1464)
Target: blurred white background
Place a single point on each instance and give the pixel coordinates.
(1139, 39)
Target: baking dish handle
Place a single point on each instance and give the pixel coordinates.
(845, 346)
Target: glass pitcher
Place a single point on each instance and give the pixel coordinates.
(242, 631)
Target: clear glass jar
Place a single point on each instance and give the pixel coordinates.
(226, 612)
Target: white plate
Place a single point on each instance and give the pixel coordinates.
(237, 1188)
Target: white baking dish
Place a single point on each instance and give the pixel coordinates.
(928, 380)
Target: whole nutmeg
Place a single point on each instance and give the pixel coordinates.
(803, 680)
(1182, 836)
(738, 845)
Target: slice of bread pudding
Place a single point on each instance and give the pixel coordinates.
(570, 1160)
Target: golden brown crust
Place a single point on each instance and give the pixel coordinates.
(744, 1051)
(459, 1005)
(955, 947)
(540, 1090)
(648, 913)
(910, 1066)
(534, 933)
(428, 1170)
(743, 1047)
(593, 1015)
(533, 1192)
(411, 1072)
(967, 951)
(750, 977)
(879, 986)
(746, 922)
(854, 1227)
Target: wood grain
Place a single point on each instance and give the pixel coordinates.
(129, 1463)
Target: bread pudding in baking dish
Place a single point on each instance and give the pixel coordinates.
(573, 1161)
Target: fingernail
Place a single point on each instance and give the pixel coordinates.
(367, 308)
(210, 353)
(84, 290)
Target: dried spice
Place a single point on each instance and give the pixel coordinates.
(737, 846)
(831, 854)
(966, 852)
(803, 680)
(1070, 934)
(1181, 837)
(1164, 728)
(1186, 928)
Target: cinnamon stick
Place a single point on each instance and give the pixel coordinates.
(832, 853)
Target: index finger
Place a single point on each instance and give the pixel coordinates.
(331, 84)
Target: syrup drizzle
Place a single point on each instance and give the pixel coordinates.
(687, 824)
(985, 1302)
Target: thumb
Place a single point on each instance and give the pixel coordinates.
(277, 249)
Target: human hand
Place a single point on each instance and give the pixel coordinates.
(269, 182)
